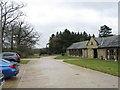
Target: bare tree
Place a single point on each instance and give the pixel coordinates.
(25, 35)
(16, 35)
(10, 12)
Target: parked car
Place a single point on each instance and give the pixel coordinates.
(9, 69)
(2, 80)
(11, 56)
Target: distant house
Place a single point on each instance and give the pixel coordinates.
(103, 48)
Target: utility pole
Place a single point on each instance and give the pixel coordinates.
(0, 35)
(0, 27)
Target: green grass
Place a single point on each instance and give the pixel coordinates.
(34, 56)
(109, 67)
(24, 61)
(37, 56)
(66, 57)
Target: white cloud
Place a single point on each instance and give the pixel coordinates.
(50, 16)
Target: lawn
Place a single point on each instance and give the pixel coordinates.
(66, 57)
(109, 67)
(24, 61)
(34, 56)
(38, 56)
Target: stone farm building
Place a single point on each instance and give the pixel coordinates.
(107, 48)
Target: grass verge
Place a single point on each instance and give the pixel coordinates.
(38, 56)
(24, 61)
(109, 67)
(34, 56)
(66, 57)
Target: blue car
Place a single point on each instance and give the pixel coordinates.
(2, 80)
(9, 69)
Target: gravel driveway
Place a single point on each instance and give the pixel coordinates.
(47, 72)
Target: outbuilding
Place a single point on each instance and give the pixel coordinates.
(107, 48)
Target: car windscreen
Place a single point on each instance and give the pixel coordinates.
(8, 54)
(5, 61)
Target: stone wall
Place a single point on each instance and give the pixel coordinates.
(101, 53)
(119, 54)
(90, 53)
(67, 52)
(84, 53)
(92, 43)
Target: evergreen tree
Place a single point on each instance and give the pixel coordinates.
(59, 42)
(93, 36)
(105, 31)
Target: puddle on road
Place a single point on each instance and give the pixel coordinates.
(77, 74)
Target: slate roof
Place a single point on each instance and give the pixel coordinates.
(113, 41)
(78, 45)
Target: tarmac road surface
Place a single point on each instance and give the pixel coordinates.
(47, 72)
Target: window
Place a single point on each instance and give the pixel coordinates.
(111, 53)
(8, 54)
(91, 43)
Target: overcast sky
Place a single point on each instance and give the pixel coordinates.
(50, 16)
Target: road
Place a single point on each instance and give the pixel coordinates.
(47, 72)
